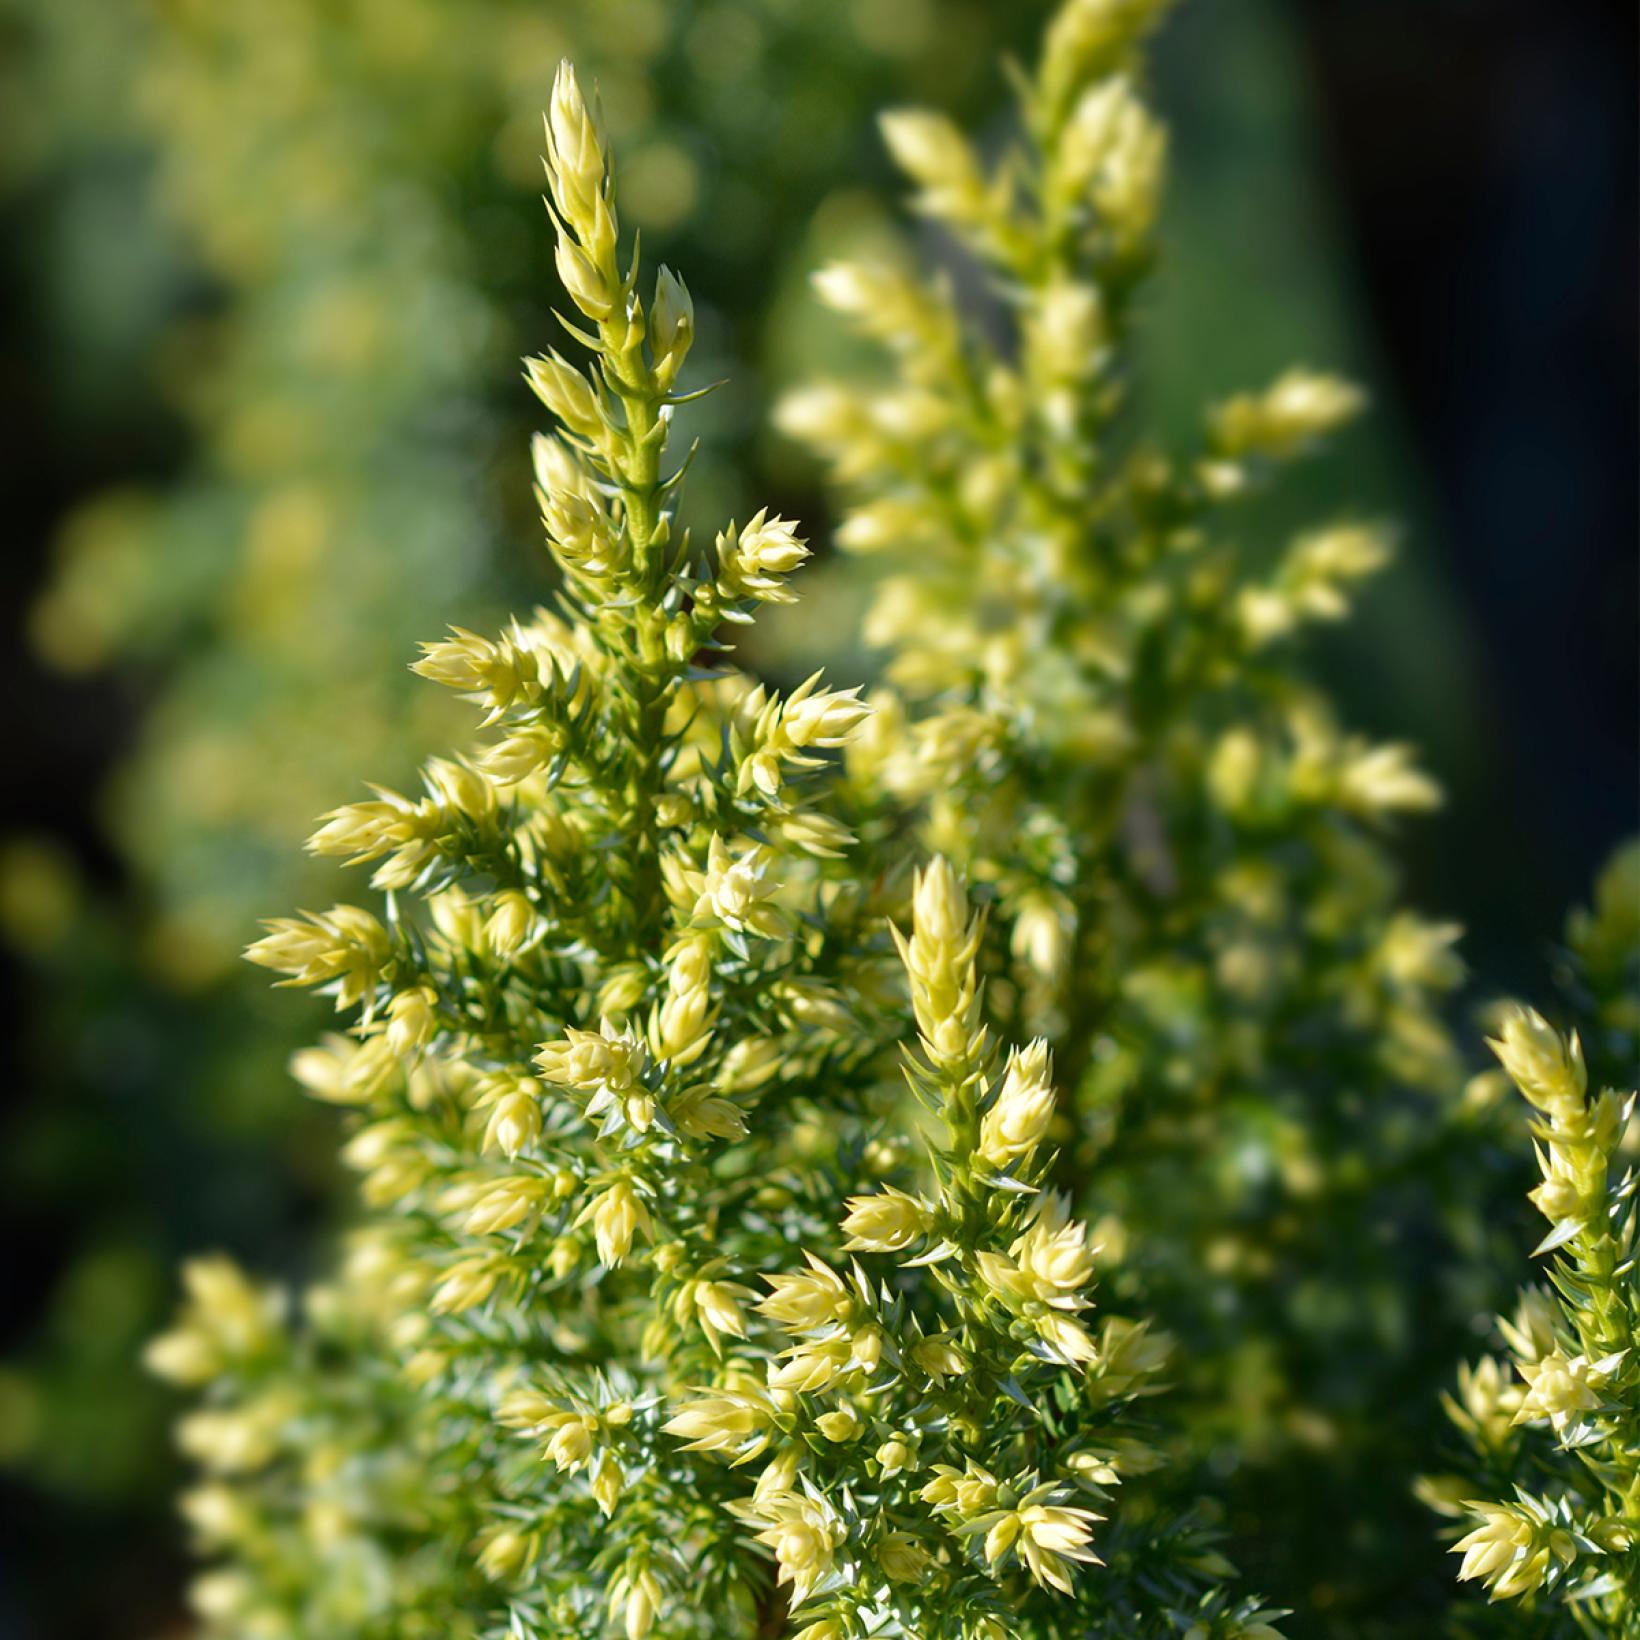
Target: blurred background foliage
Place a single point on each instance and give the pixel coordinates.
(268, 268)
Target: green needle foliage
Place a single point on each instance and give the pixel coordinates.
(1548, 1500)
(673, 1313)
(1096, 701)
(328, 264)
(734, 1077)
(346, 180)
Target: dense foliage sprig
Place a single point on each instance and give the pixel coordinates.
(1095, 696)
(731, 1114)
(304, 358)
(1548, 1507)
(625, 1094)
(345, 181)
